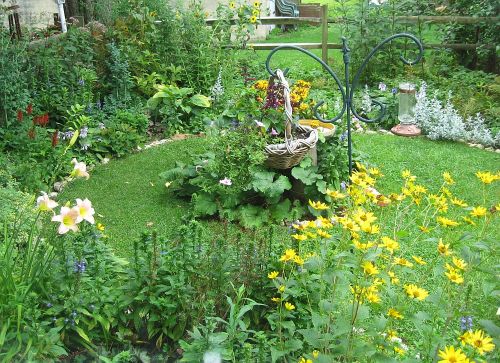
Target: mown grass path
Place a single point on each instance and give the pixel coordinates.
(128, 195)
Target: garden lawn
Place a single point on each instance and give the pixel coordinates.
(129, 196)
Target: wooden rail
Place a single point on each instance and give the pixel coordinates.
(271, 20)
(271, 46)
(323, 21)
(429, 19)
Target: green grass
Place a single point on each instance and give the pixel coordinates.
(128, 194)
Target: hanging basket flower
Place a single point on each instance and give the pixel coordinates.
(290, 153)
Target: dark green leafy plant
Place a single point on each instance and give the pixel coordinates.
(180, 108)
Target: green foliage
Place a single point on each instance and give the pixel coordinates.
(483, 33)
(179, 108)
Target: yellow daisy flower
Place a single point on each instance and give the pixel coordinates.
(450, 355)
(416, 292)
(478, 212)
(272, 275)
(289, 306)
(393, 313)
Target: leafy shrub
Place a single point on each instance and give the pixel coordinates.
(179, 108)
(346, 288)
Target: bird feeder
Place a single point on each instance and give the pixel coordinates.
(406, 111)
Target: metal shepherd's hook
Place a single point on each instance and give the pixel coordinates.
(347, 91)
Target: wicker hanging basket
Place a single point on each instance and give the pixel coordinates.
(292, 151)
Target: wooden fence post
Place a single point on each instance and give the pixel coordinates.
(324, 35)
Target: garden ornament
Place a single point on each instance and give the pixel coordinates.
(347, 91)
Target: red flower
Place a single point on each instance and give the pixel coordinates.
(20, 115)
(55, 138)
(31, 133)
(29, 109)
(41, 120)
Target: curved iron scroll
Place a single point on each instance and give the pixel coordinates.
(347, 93)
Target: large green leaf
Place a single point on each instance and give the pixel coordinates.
(264, 182)
(253, 216)
(200, 100)
(204, 205)
(281, 210)
(306, 175)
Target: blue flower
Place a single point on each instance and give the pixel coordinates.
(466, 323)
(394, 90)
(343, 185)
(81, 82)
(80, 266)
(84, 132)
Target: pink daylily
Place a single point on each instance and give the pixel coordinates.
(45, 204)
(69, 218)
(80, 169)
(85, 210)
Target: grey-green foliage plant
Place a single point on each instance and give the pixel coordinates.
(119, 73)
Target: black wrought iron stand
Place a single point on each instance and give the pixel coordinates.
(348, 91)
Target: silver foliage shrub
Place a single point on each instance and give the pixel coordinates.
(443, 122)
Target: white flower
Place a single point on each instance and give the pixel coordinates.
(259, 124)
(80, 169)
(44, 203)
(85, 210)
(69, 218)
(225, 181)
(382, 86)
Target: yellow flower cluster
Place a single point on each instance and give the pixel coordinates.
(357, 214)
(312, 229)
(487, 177)
(291, 255)
(370, 293)
(480, 341)
(299, 91)
(261, 85)
(416, 292)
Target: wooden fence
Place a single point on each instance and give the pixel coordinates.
(323, 21)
